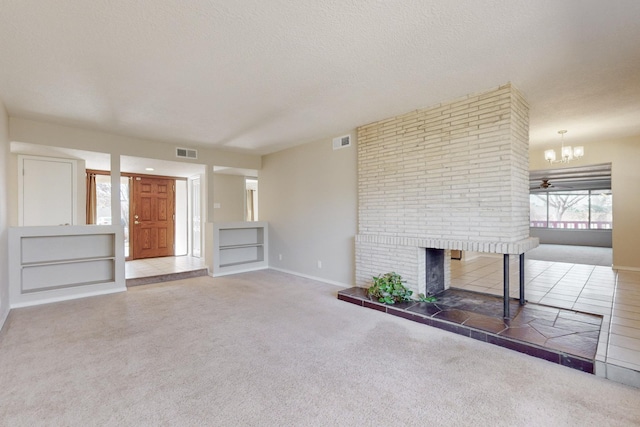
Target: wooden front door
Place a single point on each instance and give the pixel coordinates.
(153, 217)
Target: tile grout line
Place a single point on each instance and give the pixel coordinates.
(602, 288)
(608, 331)
(609, 326)
(555, 284)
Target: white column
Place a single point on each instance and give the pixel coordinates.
(115, 189)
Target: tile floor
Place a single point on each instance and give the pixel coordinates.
(591, 289)
(165, 265)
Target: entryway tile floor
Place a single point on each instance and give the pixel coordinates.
(583, 288)
(155, 270)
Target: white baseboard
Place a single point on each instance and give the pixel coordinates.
(4, 318)
(242, 270)
(68, 297)
(621, 267)
(307, 276)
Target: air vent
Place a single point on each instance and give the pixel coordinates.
(186, 153)
(341, 142)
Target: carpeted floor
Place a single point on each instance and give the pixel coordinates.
(271, 349)
(590, 255)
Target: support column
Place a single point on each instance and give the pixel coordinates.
(115, 189)
(209, 180)
(522, 300)
(505, 267)
(120, 276)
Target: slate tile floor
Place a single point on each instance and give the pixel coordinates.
(555, 334)
(592, 289)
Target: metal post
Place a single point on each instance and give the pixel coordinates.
(522, 300)
(506, 285)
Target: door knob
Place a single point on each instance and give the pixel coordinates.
(136, 222)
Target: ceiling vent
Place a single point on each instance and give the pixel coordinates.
(341, 142)
(186, 153)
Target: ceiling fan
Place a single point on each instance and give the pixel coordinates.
(546, 184)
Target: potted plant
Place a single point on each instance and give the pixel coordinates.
(389, 288)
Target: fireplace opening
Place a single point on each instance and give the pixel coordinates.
(434, 271)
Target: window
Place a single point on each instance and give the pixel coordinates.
(103, 204)
(103, 199)
(196, 234)
(568, 209)
(601, 209)
(577, 210)
(251, 194)
(538, 210)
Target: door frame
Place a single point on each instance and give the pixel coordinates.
(132, 206)
(131, 176)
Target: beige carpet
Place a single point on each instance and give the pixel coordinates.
(270, 349)
(572, 254)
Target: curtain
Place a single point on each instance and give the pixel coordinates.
(92, 200)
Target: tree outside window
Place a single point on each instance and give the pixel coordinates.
(601, 209)
(585, 209)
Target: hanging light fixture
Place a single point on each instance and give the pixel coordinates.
(567, 153)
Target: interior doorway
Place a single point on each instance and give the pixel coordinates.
(187, 235)
(153, 217)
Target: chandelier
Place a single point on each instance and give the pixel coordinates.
(567, 153)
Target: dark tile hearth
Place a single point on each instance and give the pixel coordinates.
(566, 337)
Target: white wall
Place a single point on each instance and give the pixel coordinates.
(308, 195)
(582, 237)
(4, 221)
(623, 154)
(53, 135)
(43, 133)
(47, 134)
(229, 194)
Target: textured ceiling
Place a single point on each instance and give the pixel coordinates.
(263, 75)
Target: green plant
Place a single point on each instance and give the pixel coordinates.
(423, 298)
(389, 289)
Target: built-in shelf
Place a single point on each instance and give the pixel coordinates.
(247, 245)
(239, 246)
(54, 263)
(65, 261)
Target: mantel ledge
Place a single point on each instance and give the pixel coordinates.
(494, 247)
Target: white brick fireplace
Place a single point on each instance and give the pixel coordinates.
(453, 176)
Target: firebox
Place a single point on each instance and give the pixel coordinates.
(435, 282)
